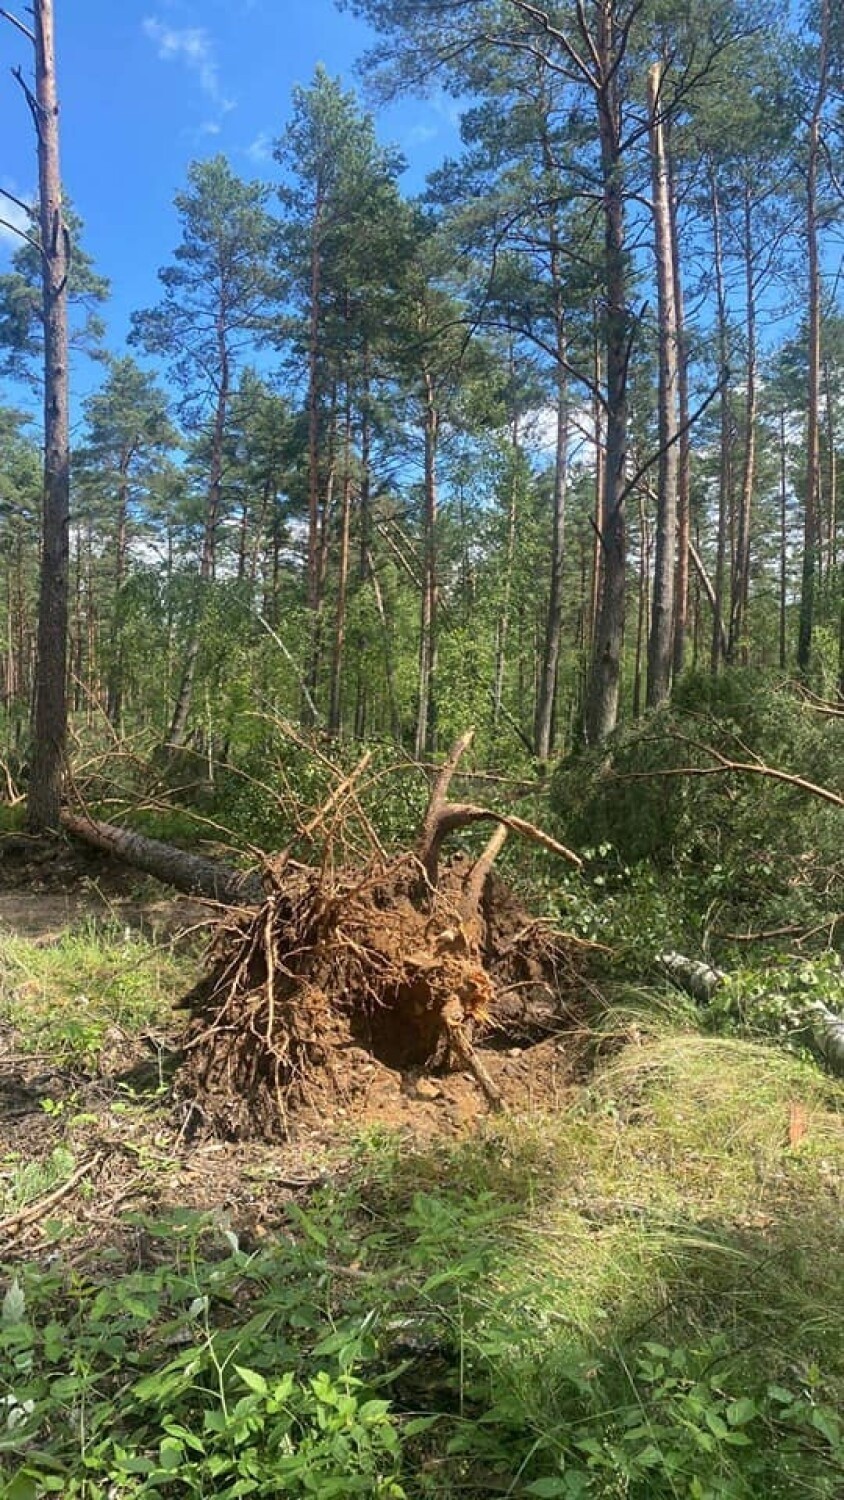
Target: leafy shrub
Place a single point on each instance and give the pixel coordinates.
(740, 851)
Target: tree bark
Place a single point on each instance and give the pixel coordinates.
(737, 645)
(50, 709)
(725, 470)
(190, 873)
(602, 703)
(661, 642)
(426, 718)
(684, 460)
(335, 694)
(214, 504)
(550, 661)
(811, 508)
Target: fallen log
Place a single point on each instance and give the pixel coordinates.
(822, 1027)
(193, 874)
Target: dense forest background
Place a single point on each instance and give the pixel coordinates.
(520, 452)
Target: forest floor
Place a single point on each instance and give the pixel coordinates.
(628, 1281)
(86, 1075)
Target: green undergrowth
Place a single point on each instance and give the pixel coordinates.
(63, 997)
(639, 1297)
(681, 852)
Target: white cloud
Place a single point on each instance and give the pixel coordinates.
(261, 149)
(192, 46)
(16, 220)
(419, 135)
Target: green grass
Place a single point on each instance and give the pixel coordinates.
(639, 1297)
(62, 998)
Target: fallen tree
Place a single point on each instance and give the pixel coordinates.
(191, 873)
(403, 961)
(821, 1028)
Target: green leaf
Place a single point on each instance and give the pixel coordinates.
(550, 1488)
(826, 1422)
(742, 1411)
(650, 1457)
(781, 1395)
(170, 1454)
(253, 1380)
(716, 1424)
(373, 1411)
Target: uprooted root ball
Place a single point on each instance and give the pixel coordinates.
(371, 964)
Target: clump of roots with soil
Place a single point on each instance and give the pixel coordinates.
(415, 963)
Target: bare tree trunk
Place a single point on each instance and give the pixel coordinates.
(684, 474)
(550, 661)
(644, 603)
(813, 393)
(661, 642)
(600, 455)
(313, 592)
(783, 545)
(365, 539)
(191, 873)
(335, 694)
(503, 627)
(114, 688)
(50, 712)
(725, 472)
(832, 477)
(181, 711)
(741, 573)
(602, 703)
(426, 718)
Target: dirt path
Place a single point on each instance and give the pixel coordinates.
(44, 891)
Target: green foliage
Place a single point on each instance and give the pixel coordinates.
(772, 1000)
(641, 1298)
(267, 1398)
(737, 852)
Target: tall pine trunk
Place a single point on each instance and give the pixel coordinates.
(737, 646)
(50, 708)
(811, 504)
(336, 687)
(661, 641)
(684, 475)
(426, 715)
(602, 701)
(725, 464)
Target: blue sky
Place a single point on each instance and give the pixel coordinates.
(147, 86)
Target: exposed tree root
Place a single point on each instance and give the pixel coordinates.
(319, 972)
(404, 962)
(315, 980)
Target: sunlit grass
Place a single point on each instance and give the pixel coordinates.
(62, 997)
